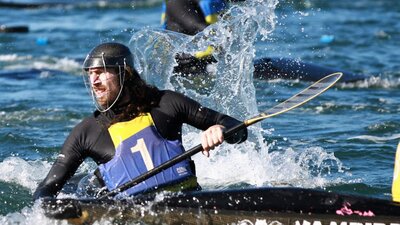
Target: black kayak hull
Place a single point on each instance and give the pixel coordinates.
(283, 68)
(13, 29)
(270, 69)
(284, 205)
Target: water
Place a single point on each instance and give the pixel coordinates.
(344, 140)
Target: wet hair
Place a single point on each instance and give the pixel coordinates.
(143, 97)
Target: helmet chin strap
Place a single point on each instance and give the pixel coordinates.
(121, 75)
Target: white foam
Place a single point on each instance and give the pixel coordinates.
(381, 81)
(376, 139)
(241, 164)
(25, 173)
(28, 216)
(41, 63)
(13, 57)
(63, 64)
(30, 173)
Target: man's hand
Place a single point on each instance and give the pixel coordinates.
(211, 138)
(189, 64)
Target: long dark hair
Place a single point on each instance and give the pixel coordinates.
(143, 97)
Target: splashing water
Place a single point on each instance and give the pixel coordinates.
(24, 173)
(233, 38)
(302, 144)
(228, 88)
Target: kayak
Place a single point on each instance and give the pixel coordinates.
(13, 29)
(283, 68)
(53, 3)
(266, 205)
(271, 69)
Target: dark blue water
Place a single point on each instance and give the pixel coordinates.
(344, 140)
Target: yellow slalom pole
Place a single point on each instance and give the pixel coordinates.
(396, 176)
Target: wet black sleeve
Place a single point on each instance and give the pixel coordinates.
(79, 144)
(176, 109)
(184, 16)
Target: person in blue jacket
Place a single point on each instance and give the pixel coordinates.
(191, 17)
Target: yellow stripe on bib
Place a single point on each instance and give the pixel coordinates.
(123, 130)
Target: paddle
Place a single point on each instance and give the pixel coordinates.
(302, 97)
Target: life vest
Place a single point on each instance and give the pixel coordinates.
(139, 148)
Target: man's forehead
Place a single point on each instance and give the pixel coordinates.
(101, 68)
(96, 68)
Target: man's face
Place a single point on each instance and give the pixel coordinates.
(105, 85)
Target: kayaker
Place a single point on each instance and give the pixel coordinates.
(135, 128)
(191, 17)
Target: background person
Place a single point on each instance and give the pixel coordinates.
(191, 17)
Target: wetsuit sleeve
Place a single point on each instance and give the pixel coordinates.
(177, 109)
(203, 118)
(191, 16)
(65, 166)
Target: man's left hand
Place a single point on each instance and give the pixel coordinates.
(211, 138)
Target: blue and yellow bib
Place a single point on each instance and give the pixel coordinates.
(140, 148)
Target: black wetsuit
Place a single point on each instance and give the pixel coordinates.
(184, 16)
(90, 138)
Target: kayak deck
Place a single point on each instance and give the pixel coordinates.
(285, 205)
